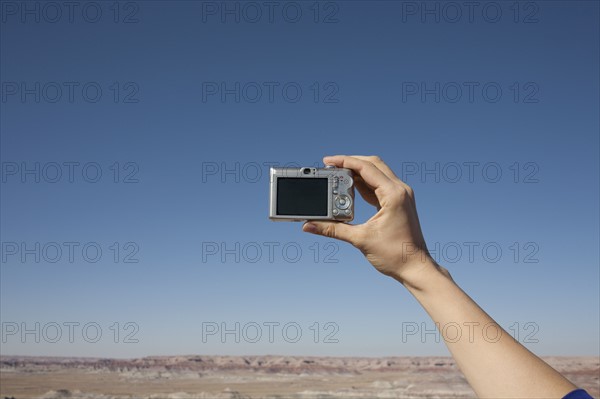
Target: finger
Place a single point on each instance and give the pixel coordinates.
(366, 192)
(340, 231)
(378, 162)
(367, 170)
(382, 166)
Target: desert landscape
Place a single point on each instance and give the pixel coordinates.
(238, 377)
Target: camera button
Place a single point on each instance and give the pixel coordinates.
(347, 211)
(335, 212)
(335, 191)
(342, 202)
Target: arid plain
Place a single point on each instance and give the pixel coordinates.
(188, 377)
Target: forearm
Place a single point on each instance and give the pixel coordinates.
(493, 362)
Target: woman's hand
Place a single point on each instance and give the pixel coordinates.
(391, 239)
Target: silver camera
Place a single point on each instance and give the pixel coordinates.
(298, 194)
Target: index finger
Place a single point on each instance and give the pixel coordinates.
(369, 172)
(378, 162)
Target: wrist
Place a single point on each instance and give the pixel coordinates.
(421, 275)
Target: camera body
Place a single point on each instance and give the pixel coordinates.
(298, 194)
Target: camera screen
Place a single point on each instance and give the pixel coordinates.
(302, 197)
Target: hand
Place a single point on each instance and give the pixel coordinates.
(391, 240)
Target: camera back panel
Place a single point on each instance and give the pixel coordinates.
(298, 194)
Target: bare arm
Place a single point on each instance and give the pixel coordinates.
(495, 365)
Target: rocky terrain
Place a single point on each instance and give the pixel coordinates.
(189, 377)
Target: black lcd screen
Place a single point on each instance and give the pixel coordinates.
(298, 196)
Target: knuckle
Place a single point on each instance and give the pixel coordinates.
(399, 195)
(329, 231)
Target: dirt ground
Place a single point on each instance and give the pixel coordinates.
(423, 379)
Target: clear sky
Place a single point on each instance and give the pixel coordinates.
(145, 131)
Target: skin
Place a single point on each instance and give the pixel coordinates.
(495, 365)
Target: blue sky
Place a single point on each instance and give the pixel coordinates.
(501, 108)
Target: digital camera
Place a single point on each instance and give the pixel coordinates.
(298, 194)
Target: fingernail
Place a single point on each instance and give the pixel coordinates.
(310, 228)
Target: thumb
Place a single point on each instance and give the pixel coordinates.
(338, 230)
